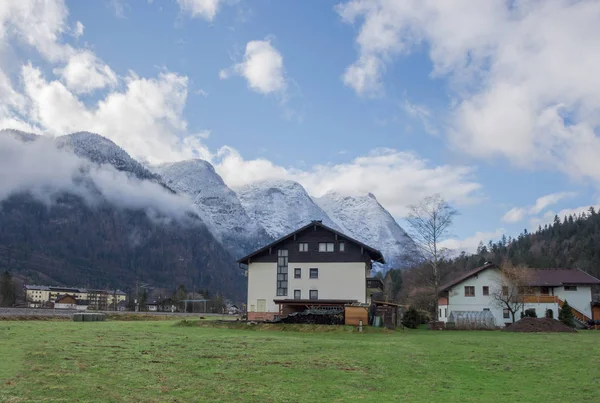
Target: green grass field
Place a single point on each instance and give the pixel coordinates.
(157, 361)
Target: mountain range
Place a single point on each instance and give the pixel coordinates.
(105, 219)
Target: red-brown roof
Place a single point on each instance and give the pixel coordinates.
(558, 277)
(540, 277)
(460, 279)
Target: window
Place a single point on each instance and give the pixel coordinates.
(486, 309)
(297, 273)
(326, 247)
(314, 294)
(342, 246)
(469, 291)
(570, 288)
(303, 247)
(486, 290)
(506, 313)
(314, 273)
(297, 294)
(282, 272)
(445, 312)
(545, 290)
(440, 315)
(504, 290)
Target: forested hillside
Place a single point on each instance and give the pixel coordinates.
(573, 241)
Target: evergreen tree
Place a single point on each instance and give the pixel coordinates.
(7, 290)
(566, 315)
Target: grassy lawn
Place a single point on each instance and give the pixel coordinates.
(156, 361)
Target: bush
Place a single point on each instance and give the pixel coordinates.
(411, 318)
(566, 315)
(530, 313)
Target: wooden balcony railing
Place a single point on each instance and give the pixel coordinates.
(374, 283)
(540, 299)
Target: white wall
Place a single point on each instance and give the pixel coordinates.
(262, 284)
(579, 299)
(336, 281)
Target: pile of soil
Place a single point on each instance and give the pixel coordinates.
(532, 325)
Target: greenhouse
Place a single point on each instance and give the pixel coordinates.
(471, 320)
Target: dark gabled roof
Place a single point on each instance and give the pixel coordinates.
(374, 254)
(558, 277)
(539, 277)
(460, 279)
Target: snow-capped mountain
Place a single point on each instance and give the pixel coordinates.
(101, 150)
(19, 135)
(281, 206)
(217, 204)
(363, 218)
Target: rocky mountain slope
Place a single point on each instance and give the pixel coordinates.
(101, 150)
(363, 218)
(217, 205)
(281, 206)
(85, 229)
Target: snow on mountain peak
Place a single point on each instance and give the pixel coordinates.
(101, 150)
(217, 204)
(281, 206)
(363, 218)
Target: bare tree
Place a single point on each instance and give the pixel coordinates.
(430, 223)
(512, 287)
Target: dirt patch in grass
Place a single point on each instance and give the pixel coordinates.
(536, 325)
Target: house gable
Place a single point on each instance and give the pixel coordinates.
(313, 234)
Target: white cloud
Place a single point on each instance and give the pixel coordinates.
(398, 179)
(78, 30)
(422, 113)
(517, 214)
(514, 215)
(118, 7)
(206, 9)
(37, 23)
(146, 118)
(470, 244)
(85, 73)
(262, 68)
(24, 167)
(523, 74)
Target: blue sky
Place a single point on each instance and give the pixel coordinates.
(400, 98)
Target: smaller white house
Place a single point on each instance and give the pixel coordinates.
(70, 302)
(547, 289)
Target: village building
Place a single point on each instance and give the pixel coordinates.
(314, 266)
(70, 302)
(545, 291)
(43, 296)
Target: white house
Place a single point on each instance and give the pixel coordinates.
(547, 289)
(312, 266)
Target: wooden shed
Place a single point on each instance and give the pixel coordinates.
(354, 314)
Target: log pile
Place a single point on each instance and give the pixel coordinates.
(315, 317)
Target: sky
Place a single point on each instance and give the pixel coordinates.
(492, 104)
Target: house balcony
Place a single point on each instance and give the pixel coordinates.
(540, 299)
(374, 284)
